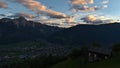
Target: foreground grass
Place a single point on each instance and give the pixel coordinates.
(71, 63)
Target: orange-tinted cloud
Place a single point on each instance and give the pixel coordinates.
(88, 5)
(23, 14)
(39, 8)
(89, 18)
(3, 4)
(97, 19)
(82, 2)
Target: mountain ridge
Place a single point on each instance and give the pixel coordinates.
(105, 34)
(20, 29)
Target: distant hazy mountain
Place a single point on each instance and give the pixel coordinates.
(106, 34)
(19, 29)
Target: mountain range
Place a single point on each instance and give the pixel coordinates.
(104, 34)
(20, 29)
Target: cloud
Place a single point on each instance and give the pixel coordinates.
(82, 2)
(105, 1)
(84, 8)
(64, 22)
(92, 19)
(3, 4)
(2, 15)
(54, 14)
(23, 14)
(69, 19)
(105, 6)
(89, 19)
(39, 8)
(87, 5)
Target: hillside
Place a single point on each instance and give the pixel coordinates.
(105, 34)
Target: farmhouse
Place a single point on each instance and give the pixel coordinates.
(98, 54)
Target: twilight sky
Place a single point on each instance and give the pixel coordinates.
(63, 13)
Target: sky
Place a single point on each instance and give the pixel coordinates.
(62, 13)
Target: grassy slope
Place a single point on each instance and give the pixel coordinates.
(110, 63)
